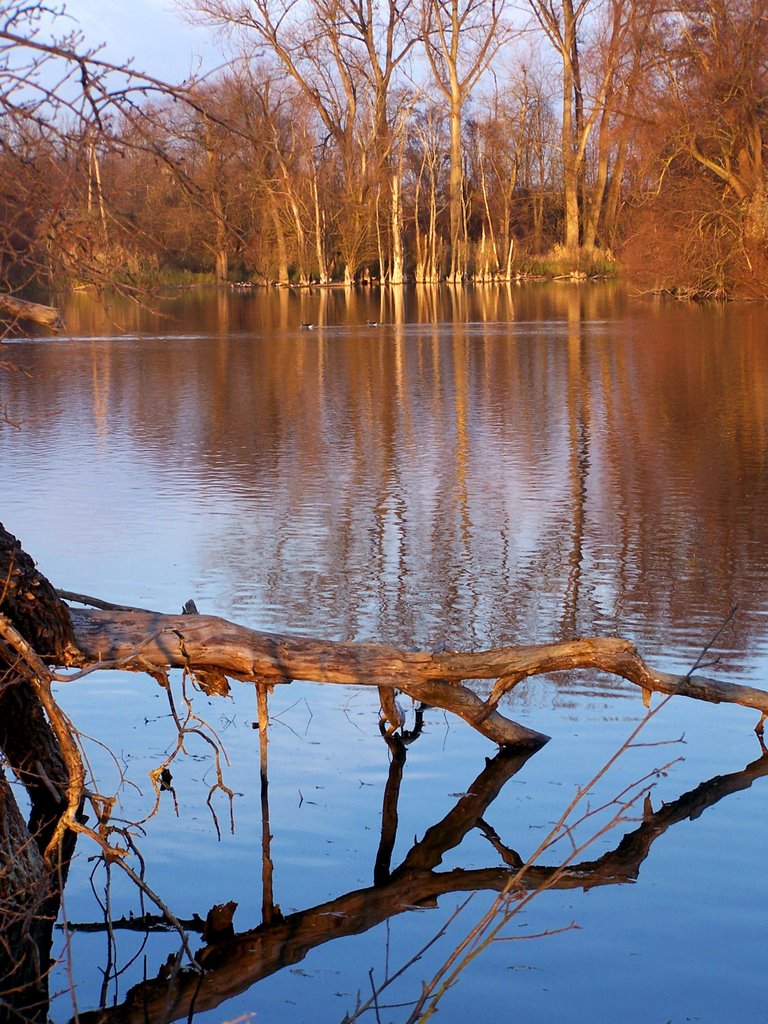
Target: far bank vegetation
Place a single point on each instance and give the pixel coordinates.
(367, 140)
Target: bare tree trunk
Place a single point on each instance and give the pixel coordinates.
(29, 887)
(213, 157)
(456, 189)
(458, 57)
(570, 165)
(298, 226)
(397, 270)
(322, 264)
(593, 203)
(222, 266)
(95, 193)
(613, 199)
(282, 253)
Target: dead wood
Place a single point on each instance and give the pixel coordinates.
(30, 602)
(36, 739)
(24, 892)
(207, 643)
(35, 312)
(38, 745)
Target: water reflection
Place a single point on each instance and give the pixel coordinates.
(235, 962)
(282, 310)
(486, 465)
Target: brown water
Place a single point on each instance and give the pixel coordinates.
(485, 466)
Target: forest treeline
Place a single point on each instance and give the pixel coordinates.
(394, 140)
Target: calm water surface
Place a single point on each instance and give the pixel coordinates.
(484, 467)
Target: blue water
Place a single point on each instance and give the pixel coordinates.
(540, 464)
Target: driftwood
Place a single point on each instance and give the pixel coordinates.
(144, 640)
(21, 309)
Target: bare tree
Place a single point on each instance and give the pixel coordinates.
(58, 100)
(700, 217)
(342, 55)
(460, 38)
(560, 22)
(427, 145)
(591, 95)
(510, 167)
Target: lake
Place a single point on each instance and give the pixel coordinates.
(431, 467)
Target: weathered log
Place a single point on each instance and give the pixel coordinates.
(31, 612)
(208, 643)
(204, 642)
(25, 886)
(35, 312)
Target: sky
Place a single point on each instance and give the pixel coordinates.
(153, 32)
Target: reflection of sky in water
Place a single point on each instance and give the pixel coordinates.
(578, 469)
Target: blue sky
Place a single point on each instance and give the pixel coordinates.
(153, 32)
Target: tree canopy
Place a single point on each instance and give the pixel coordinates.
(353, 141)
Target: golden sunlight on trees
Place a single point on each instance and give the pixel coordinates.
(360, 140)
(341, 55)
(68, 114)
(511, 167)
(461, 39)
(598, 46)
(699, 217)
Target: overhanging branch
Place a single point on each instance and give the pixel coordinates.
(207, 643)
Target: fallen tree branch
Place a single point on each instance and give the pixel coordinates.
(208, 643)
(35, 312)
(205, 643)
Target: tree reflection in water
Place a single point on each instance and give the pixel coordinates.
(234, 962)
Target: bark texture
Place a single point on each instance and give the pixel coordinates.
(35, 628)
(30, 602)
(142, 640)
(34, 312)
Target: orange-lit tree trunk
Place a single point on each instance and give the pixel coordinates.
(563, 23)
(460, 38)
